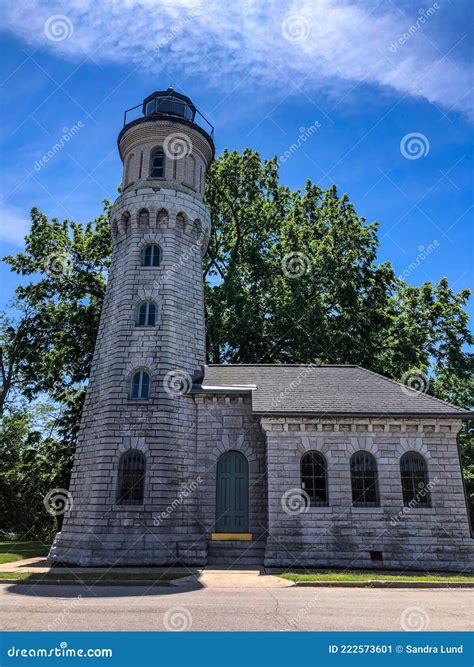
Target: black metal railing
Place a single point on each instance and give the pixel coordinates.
(169, 106)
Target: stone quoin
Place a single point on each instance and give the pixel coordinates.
(277, 465)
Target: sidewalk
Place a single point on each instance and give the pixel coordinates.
(191, 578)
(202, 578)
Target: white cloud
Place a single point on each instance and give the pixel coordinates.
(14, 224)
(330, 43)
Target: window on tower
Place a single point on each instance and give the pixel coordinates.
(131, 478)
(140, 386)
(146, 314)
(151, 255)
(157, 164)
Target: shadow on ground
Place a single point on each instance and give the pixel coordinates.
(69, 589)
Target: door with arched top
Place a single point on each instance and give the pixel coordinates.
(232, 493)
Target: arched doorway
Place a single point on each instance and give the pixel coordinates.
(232, 493)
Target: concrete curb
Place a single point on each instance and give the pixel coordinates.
(379, 583)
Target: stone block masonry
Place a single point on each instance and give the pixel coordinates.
(168, 213)
(389, 536)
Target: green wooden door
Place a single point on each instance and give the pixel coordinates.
(232, 502)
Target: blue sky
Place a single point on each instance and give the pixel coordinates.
(367, 74)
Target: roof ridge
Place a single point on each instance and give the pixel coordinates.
(399, 384)
(284, 365)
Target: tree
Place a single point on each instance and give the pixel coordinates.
(15, 349)
(290, 277)
(34, 460)
(68, 262)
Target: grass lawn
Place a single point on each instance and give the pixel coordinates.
(13, 551)
(93, 576)
(371, 576)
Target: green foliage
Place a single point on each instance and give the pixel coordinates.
(290, 276)
(47, 351)
(33, 461)
(466, 446)
(68, 262)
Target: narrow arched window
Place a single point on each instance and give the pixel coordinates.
(146, 314)
(191, 171)
(157, 164)
(414, 476)
(131, 478)
(140, 386)
(125, 222)
(364, 480)
(151, 255)
(143, 218)
(127, 180)
(314, 478)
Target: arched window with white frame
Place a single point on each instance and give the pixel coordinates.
(145, 315)
(151, 255)
(140, 386)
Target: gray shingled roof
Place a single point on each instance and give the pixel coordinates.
(324, 390)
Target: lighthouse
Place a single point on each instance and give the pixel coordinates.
(136, 451)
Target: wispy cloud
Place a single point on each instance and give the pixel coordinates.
(14, 224)
(311, 43)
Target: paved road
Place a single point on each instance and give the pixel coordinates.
(48, 607)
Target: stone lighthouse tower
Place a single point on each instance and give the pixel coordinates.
(136, 454)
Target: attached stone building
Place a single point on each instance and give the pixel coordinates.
(251, 464)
